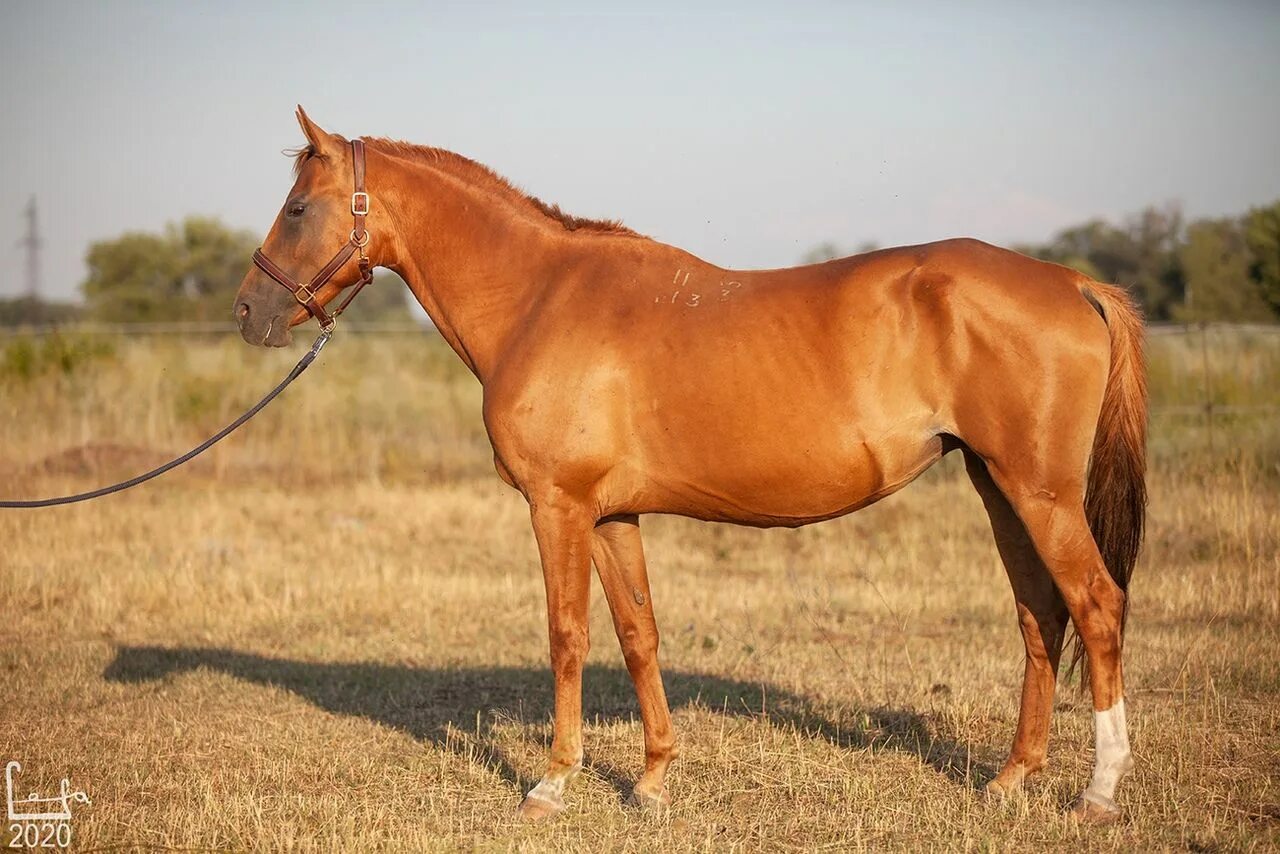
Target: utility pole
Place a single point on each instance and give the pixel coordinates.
(31, 243)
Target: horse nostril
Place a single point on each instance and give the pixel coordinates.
(242, 310)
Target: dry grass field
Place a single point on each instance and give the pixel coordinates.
(329, 634)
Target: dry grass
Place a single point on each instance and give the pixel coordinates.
(332, 637)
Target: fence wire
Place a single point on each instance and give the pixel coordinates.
(1200, 333)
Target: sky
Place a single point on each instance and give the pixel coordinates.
(744, 133)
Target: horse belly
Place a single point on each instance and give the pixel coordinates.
(789, 472)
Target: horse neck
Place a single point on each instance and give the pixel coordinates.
(474, 262)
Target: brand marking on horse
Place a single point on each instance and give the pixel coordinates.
(727, 288)
(682, 295)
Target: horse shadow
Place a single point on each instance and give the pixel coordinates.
(434, 704)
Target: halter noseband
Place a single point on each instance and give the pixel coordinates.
(306, 294)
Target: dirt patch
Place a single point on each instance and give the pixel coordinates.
(97, 458)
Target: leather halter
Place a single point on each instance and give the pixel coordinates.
(306, 294)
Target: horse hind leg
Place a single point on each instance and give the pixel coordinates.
(1051, 509)
(1042, 619)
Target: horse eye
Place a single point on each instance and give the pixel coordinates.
(297, 210)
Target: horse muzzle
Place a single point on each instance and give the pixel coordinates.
(263, 324)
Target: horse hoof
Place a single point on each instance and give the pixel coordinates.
(537, 809)
(1011, 779)
(997, 790)
(1090, 811)
(648, 800)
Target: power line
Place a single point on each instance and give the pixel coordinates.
(32, 243)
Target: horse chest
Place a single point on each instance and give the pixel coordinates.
(555, 430)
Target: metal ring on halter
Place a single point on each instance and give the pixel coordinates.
(357, 242)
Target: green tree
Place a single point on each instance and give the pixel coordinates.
(828, 251)
(1157, 277)
(1070, 248)
(25, 310)
(1262, 235)
(1216, 263)
(1142, 255)
(189, 272)
(824, 251)
(385, 300)
(213, 260)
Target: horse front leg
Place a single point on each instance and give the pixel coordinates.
(619, 558)
(563, 528)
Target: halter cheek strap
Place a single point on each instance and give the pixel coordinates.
(307, 293)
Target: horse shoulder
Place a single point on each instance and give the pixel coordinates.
(554, 411)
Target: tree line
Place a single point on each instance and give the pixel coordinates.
(1214, 269)
(189, 271)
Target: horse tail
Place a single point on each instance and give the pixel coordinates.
(1116, 497)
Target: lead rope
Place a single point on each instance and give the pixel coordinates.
(302, 365)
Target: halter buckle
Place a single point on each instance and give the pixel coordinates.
(304, 294)
(360, 204)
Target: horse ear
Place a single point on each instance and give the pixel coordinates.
(321, 141)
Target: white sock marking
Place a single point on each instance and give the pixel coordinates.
(552, 785)
(1111, 759)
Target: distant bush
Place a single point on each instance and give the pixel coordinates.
(25, 310)
(26, 358)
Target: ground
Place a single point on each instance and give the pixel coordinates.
(331, 636)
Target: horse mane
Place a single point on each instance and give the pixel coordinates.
(300, 157)
(478, 174)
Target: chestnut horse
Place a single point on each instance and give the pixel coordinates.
(623, 376)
